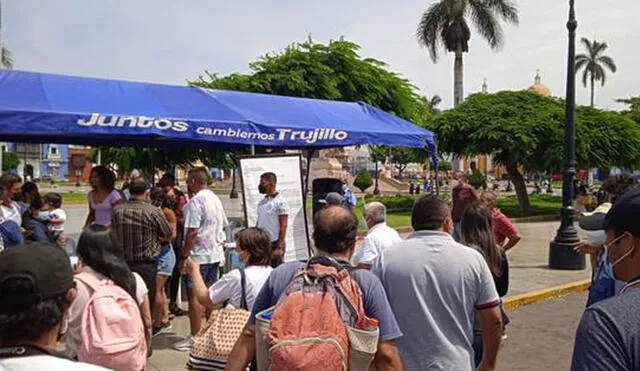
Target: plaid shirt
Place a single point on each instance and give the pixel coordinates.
(139, 226)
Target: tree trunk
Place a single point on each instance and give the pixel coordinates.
(376, 189)
(458, 74)
(593, 86)
(234, 191)
(518, 184)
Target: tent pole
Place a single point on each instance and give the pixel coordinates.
(306, 178)
(153, 166)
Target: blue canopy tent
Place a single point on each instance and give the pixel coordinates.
(47, 108)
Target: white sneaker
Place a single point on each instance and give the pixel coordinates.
(185, 345)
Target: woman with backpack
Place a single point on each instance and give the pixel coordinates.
(94, 317)
(477, 232)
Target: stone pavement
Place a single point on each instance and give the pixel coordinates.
(541, 335)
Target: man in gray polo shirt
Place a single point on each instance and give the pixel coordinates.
(436, 287)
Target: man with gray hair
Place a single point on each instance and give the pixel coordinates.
(379, 237)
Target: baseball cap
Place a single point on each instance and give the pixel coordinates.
(44, 268)
(594, 221)
(623, 215)
(332, 198)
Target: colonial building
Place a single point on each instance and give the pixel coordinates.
(40, 160)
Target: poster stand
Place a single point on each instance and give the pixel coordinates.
(251, 167)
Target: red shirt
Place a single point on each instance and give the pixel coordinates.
(502, 227)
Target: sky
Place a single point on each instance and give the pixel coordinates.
(175, 41)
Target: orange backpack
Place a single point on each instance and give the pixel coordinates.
(319, 322)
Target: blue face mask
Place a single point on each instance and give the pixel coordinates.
(605, 284)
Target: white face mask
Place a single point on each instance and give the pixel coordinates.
(597, 238)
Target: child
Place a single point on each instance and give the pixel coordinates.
(54, 215)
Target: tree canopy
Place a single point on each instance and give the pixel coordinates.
(525, 130)
(332, 71)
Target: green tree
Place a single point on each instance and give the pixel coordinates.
(633, 111)
(10, 160)
(363, 180)
(445, 165)
(332, 71)
(446, 24)
(7, 59)
(593, 64)
(525, 130)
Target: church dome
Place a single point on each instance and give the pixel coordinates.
(539, 88)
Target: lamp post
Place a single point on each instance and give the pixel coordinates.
(561, 254)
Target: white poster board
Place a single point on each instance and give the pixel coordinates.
(288, 170)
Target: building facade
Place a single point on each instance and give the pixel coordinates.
(40, 160)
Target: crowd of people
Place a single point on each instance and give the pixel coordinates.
(432, 301)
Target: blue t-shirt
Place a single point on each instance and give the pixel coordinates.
(375, 300)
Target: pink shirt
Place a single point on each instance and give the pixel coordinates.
(102, 210)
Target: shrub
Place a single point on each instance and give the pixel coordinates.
(363, 180)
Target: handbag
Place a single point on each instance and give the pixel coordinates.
(213, 344)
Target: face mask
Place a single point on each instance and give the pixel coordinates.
(605, 284)
(64, 326)
(597, 238)
(262, 189)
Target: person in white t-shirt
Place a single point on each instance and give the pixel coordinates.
(53, 214)
(379, 237)
(254, 250)
(102, 257)
(37, 290)
(12, 185)
(204, 223)
(273, 216)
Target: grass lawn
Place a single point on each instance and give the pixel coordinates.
(540, 205)
(73, 198)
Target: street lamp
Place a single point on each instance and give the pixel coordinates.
(561, 254)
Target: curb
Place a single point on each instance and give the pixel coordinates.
(512, 302)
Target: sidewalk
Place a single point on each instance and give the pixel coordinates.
(528, 272)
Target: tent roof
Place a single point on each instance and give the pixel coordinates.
(47, 108)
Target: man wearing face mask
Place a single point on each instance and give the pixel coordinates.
(603, 285)
(273, 215)
(37, 289)
(608, 337)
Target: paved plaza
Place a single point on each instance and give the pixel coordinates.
(543, 329)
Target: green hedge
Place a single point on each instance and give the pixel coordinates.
(398, 202)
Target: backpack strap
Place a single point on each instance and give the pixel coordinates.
(89, 280)
(243, 285)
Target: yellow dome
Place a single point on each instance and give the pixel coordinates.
(538, 87)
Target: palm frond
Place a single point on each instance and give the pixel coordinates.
(608, 61)
(581, 61)
(599, 48)
(431, 24)
(586, 43)
(7, 59)
(506, 9)
(486, 23)
(585, 77)
(599, 73)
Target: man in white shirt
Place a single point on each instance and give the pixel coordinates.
(204, 225)
(379, 237)
(273, 216)
(12, 185)
(35, 283)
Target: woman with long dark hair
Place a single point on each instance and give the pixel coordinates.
(477, 232)
(175, 200)
(100, 256)
(166, 262)
(103, 196)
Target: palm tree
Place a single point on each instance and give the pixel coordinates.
(445, 23)
(594, 63)
(432, 104)
(7, 61)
